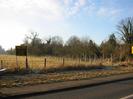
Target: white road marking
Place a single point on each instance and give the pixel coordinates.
(127, 97)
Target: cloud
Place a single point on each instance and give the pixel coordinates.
(91, 8)
(49, 9)
(108, 12)
(66, 2)
(11, 33)
(17, 17)
(71, 2)
(74, 6)
(82, 2)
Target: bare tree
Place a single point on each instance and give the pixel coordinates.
(56, 40)
(48, 41)
(125, 29)
(33, 37)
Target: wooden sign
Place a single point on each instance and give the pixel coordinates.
(21, 50)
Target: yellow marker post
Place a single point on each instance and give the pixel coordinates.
(132, 50)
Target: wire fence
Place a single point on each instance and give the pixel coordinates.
(11, 62)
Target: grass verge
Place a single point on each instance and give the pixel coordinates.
(32, 78)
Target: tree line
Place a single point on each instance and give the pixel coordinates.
(85, 48)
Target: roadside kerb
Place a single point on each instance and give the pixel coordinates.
(61, 86)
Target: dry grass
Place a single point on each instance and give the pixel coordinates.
(55, 64)
(32, 79)
(9, 61)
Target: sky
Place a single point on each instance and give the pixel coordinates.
(95, 19)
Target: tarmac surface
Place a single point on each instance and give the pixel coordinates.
(117, 90)
(111, 87)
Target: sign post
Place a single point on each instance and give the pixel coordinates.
(22, 51)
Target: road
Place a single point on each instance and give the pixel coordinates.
(118, 90)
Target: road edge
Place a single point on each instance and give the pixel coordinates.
(81, 84)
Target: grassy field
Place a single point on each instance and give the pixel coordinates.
(9, 61)
(73, 69)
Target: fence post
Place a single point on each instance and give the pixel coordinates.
(85, 58)
(17, 63)
(111, 59)
(103, 58)
(63, 62)
(45, 63)
(89, 60)
(94, 59)
(79, 61)
(1, 64)
(27, 65)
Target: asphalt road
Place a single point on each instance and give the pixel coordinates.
(118, 90)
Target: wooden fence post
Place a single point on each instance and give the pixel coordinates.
(1, 64)
(111, 59)
(45, 63)
(26, 62)
(17, 63)
(79, 61)
(103, 58)
(63, 62)
(94, 60)
(89, 60)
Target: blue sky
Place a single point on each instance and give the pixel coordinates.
(95, 19)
